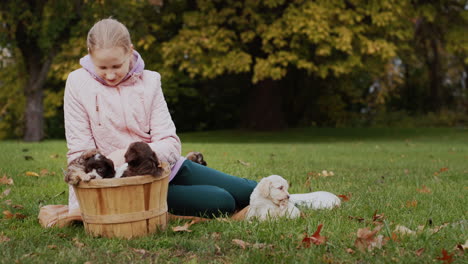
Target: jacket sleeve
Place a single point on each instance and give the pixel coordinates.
(77, 124)
(164, 140)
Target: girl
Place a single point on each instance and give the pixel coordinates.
(113, 101)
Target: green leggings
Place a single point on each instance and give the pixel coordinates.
(202, 191)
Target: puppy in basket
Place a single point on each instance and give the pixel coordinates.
(270, 199)
(140, 160)
(91, 164)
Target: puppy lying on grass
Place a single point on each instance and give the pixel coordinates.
(270, 199)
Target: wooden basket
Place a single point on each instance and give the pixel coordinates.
(126, 207)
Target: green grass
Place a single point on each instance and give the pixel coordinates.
(380, 168)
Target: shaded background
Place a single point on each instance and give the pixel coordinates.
(251, 64)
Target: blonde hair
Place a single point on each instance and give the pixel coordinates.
(108, 33)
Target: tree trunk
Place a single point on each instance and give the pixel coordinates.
(436, 96)
(33, 91)
(264, 109)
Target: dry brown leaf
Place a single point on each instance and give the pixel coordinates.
(350, 251)
(345, 198)
(419, 252)
(437, 228)
(243, 163)
(241, 243)
(316, 238)
(446, 257)
(51, 246)
(218, 250)
(403, 230)
(424, 189)
(77, 243)
(5, 193)
(32, 173)
(139, 251)
(412, 203)
(7, 214)
(17, 206)
(44, 172)
(6, 181)
(4, 238)
(184, 228)
(367, 239)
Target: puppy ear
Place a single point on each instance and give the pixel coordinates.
(264, 187)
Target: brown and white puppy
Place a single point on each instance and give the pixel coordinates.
(270, 199)
(196, 157)
(140, 160)
(76, 168)
(99, 167)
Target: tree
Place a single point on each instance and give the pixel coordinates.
(34, 31)
(267, 39)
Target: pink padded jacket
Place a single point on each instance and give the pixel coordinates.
(110, 118)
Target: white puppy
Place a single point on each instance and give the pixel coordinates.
(270, 199)
(315, 200)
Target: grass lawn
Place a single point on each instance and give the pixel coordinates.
(407, 177)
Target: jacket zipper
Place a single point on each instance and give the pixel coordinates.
(123, 110)
(97, 111)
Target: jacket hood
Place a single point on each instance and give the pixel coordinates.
(137, 69)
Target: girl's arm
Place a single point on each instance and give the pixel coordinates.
(164, 140)
(77, 124)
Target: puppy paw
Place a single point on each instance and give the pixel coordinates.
(89, 153)
(87, 177)
(72, 179)
(196, 157)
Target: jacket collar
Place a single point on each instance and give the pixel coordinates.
(136, 71)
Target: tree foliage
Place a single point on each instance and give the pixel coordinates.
(256, 63)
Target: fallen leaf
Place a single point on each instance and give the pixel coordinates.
(406, 171)
(345, 198)
(7, 214)
(77, 243)
(419, 252)
(4, 238)
(184, 228)
(240, 243)
(367, 239)
(216, 235)
(316, 238)
(218, 250)
(5, 193)
(412, 203)
(326, 173)
(243, 163)
(424, 189)
(44, 172)
(378, 217)
(437, 228)
(17, 206)
(139, 251)
(357, 218)
(443, 170)
(51, 246)
(31, 173)
(6, 181)
(464, 246)
(403, 230)
(54, 156)
(446, 257)
(350, 251)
